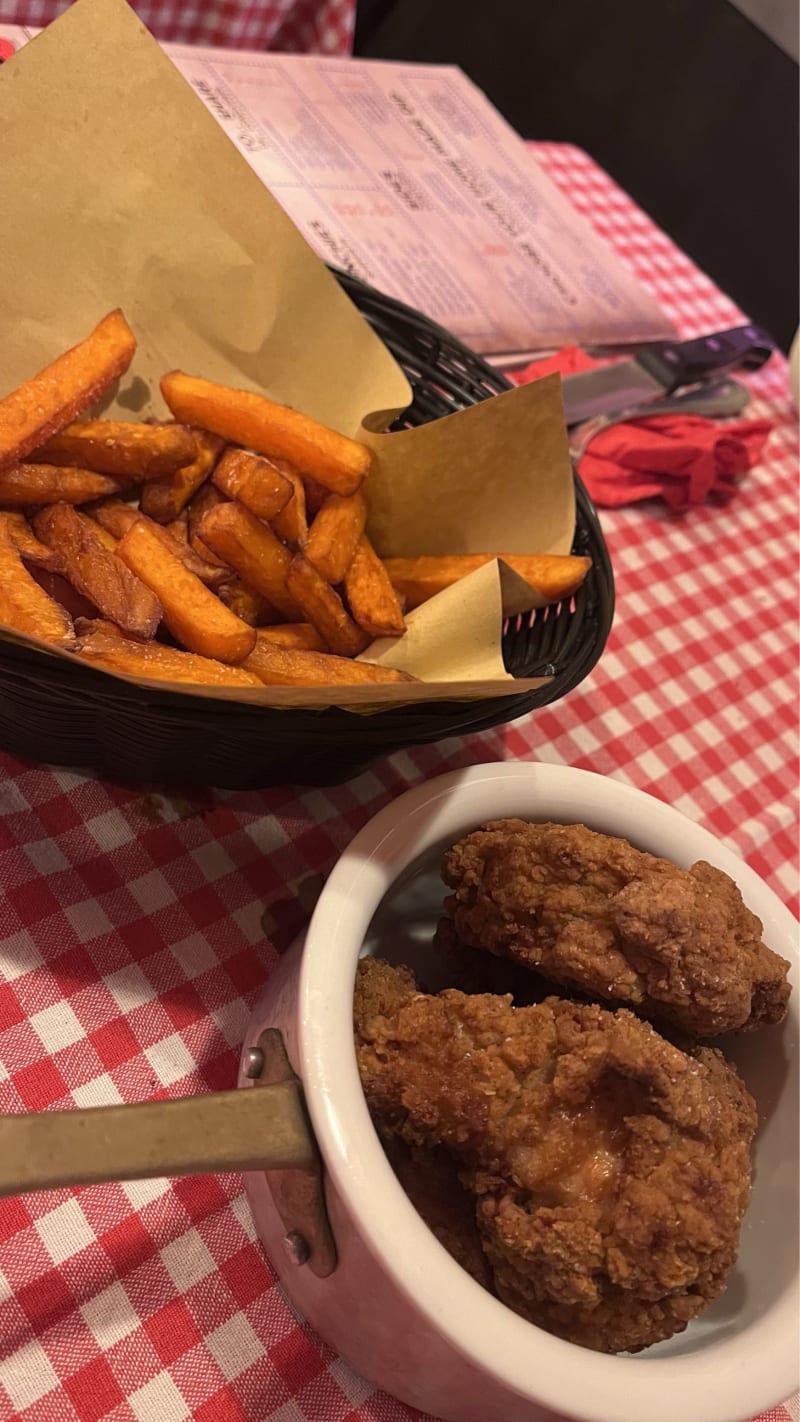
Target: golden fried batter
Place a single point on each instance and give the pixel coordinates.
(592, 913)
(610, 1170)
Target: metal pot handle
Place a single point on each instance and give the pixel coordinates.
(265, 1129)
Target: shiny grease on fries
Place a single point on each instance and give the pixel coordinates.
(104, 645)
(127, 451)
(192, 613)
(25, 484)
(253, 481)
(64, 389)
(278, 431)
(101, 576)
(24, 606)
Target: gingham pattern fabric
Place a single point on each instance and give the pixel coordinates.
(293, 26)
(137, 926)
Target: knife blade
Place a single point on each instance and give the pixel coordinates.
(661, 369)
(714, 398)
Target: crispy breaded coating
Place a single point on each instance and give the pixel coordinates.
(610, 1170)
(431, 1181)
(593, 914)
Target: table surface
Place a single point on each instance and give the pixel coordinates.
(289, 26)
(136, 928)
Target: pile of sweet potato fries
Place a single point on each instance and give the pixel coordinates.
(245, 561)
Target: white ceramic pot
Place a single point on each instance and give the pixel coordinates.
(397, 1306)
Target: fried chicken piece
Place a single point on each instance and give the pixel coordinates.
(431, 1181)
(429, 1177)
(471, 971)
(610, 1169)
(592, 913)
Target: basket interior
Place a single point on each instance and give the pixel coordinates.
(71, 714)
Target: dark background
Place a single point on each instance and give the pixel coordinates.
(686, 103)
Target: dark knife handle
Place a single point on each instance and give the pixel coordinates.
(678, 363)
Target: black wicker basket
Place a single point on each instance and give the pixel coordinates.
(68, 714)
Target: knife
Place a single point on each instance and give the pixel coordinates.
(660, 369)
(715, 398)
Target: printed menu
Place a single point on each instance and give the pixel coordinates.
(406, 176)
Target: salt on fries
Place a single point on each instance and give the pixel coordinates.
(239, 531)
(124, 450)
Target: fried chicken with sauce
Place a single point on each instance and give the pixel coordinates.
(429, 1177)
(595, 915)
(610, 1170)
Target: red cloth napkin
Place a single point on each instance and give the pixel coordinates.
(683, 459)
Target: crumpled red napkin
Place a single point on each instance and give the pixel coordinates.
(683, 459)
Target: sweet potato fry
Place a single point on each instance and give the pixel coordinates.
(26, 484)
(334, 534)
(25, 606)
(247, 603)
(250, 546)
(114, 515)
(107, 538)
(114, 590)
(324, 609)
(117, 517)
(59, 393)
(207, 497)
(275, 666)
(253, 481)
(163, 499)
(555, 576)
(291, 524)
(128, 451)
(30, 548)
(341, 464)
(101, 644)
(177, 528)
(315, 496)
(192, 614)
(292, 636)
(372, 599)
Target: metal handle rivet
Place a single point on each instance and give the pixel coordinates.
(253, 1062)
(297, 1247)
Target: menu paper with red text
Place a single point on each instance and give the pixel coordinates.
(406, 176)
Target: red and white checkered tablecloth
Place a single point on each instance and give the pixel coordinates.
(291, 26)
(136, 928)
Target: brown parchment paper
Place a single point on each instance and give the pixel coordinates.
(122, 190)
(495, 478)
